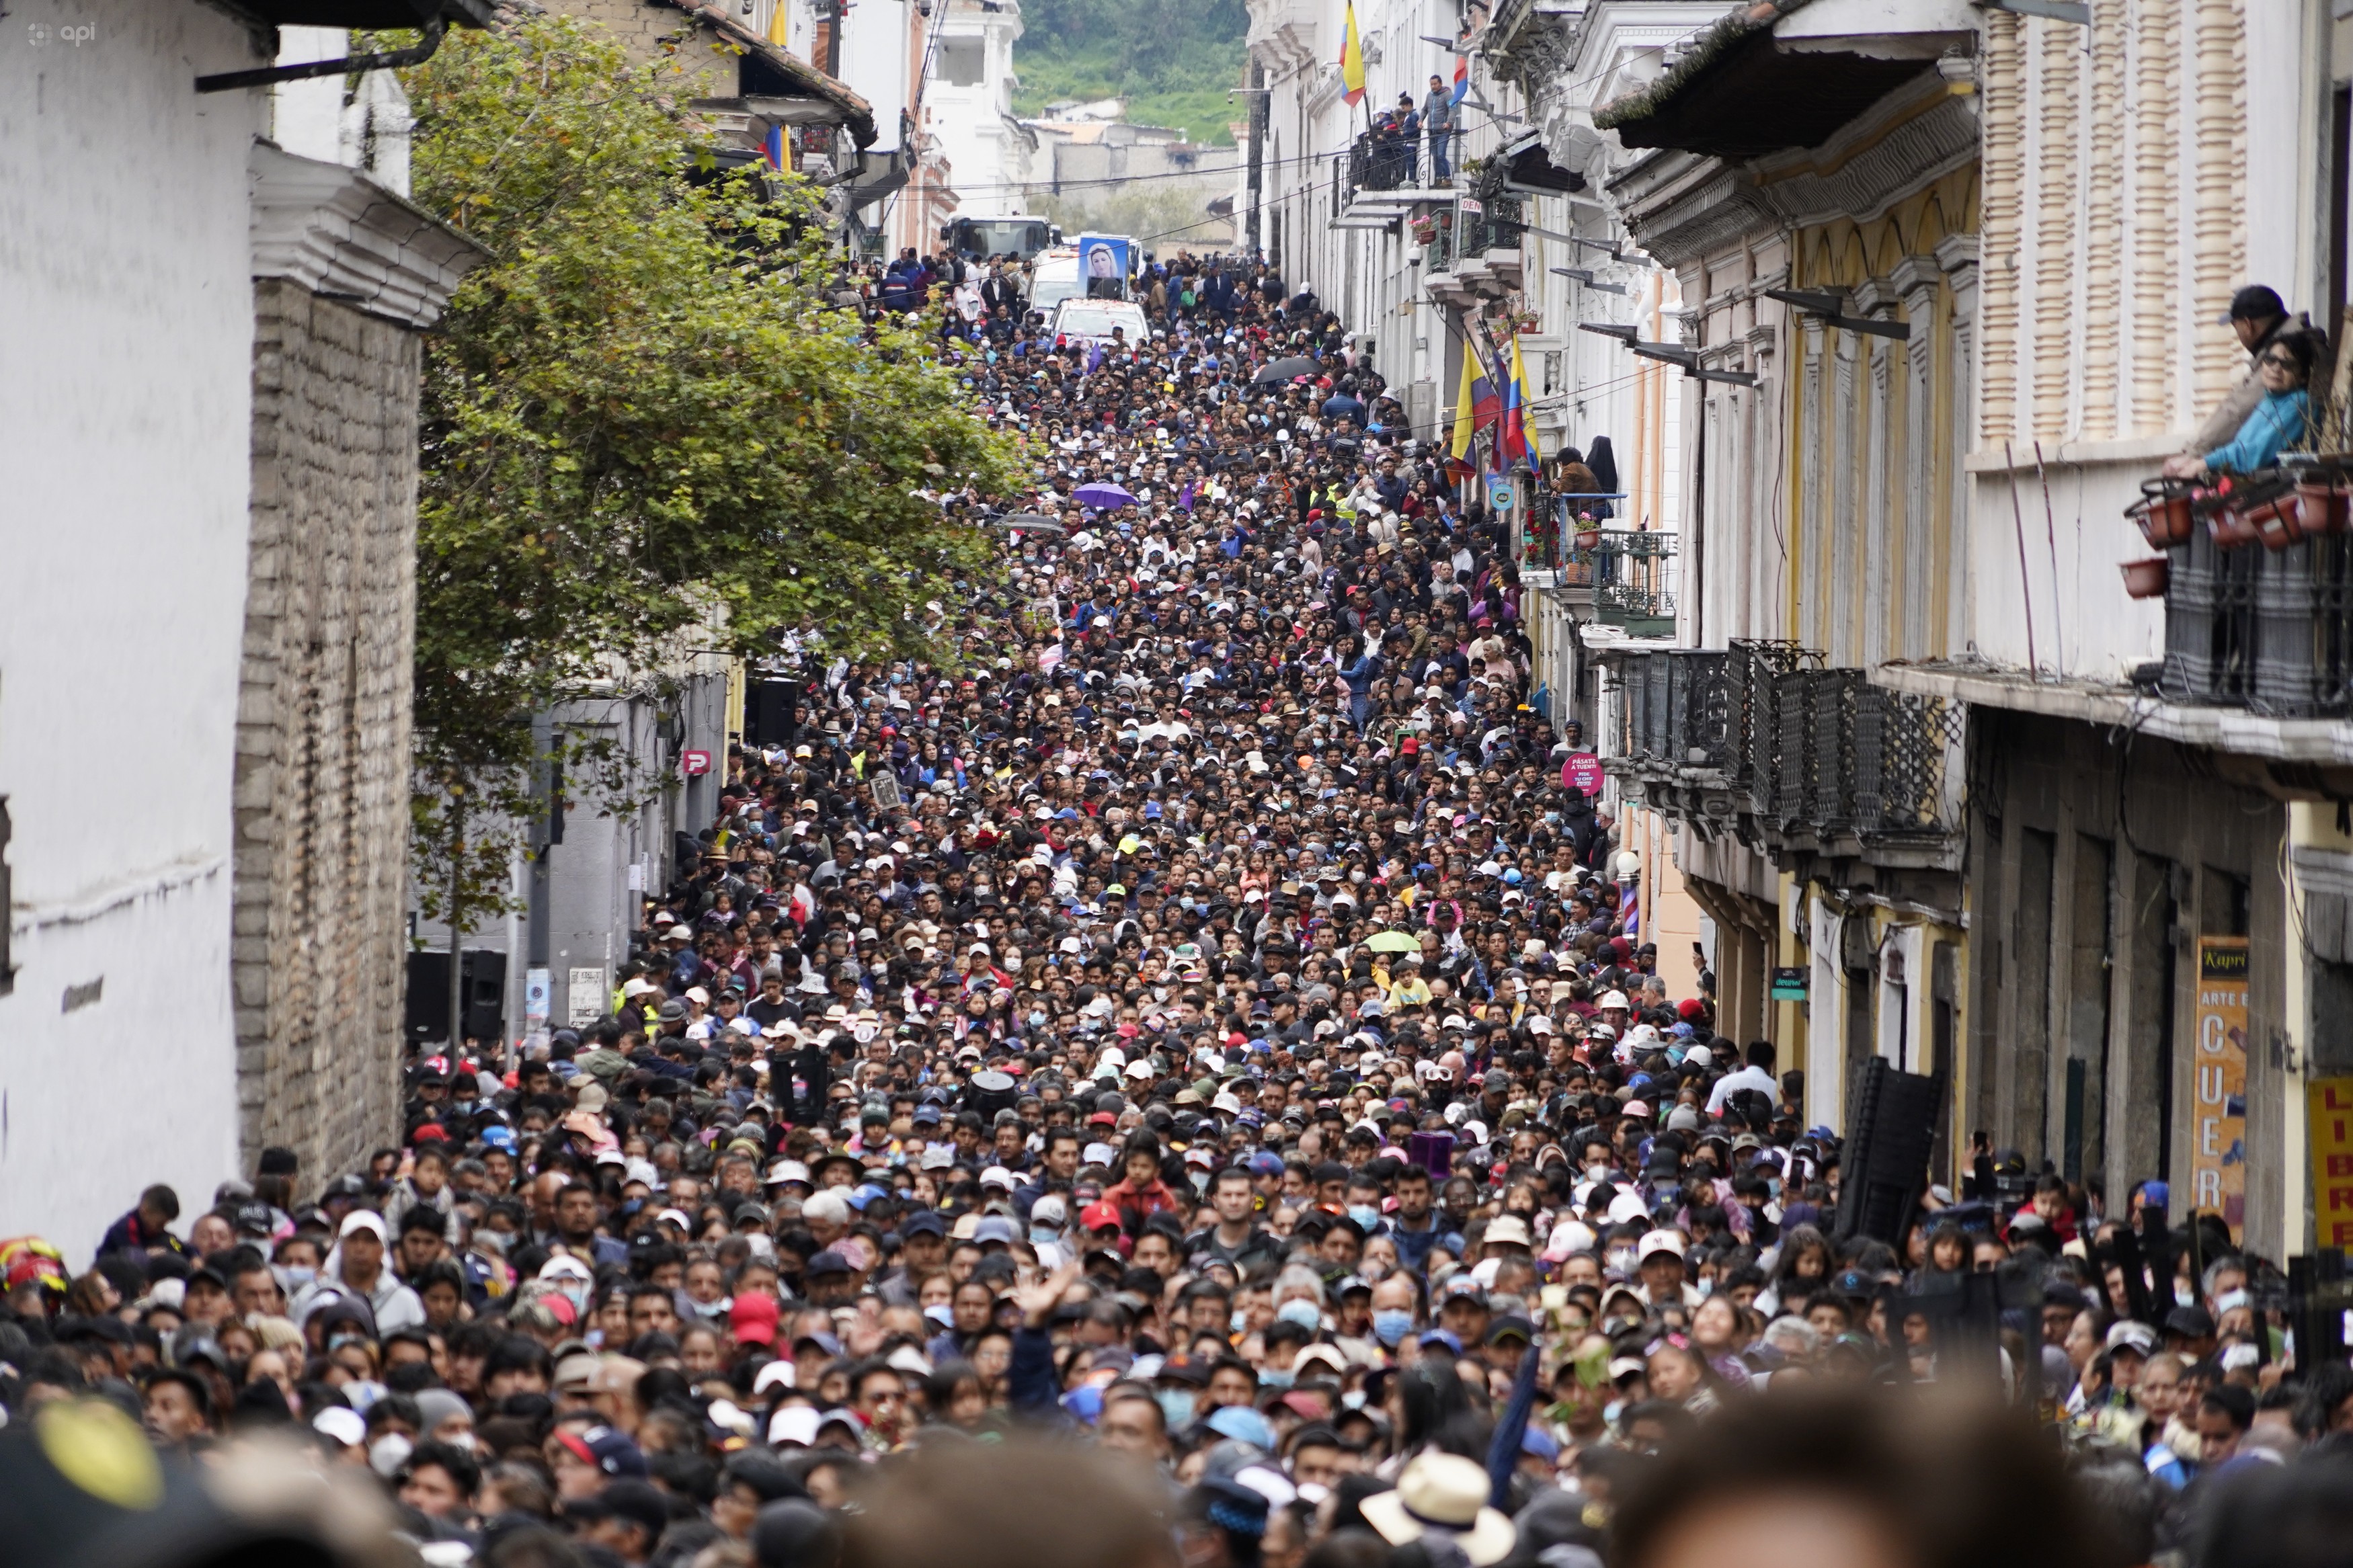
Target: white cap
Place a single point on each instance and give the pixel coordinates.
(345, 1426)
(796, 1425)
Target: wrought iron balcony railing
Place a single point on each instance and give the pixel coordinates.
(1795, 753)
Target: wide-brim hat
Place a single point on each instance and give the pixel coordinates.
(1447, 1494)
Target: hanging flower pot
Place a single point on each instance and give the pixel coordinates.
(2148, 579)
(2164, 512)
(2321, 504)
(2278, 521)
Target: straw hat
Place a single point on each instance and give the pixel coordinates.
(1447, 1494)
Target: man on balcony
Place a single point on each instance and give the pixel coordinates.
(1437, 118)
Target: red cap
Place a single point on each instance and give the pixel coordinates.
(1691, 1007)
(1410, 745)
(752, 1319)
(1098, 1216)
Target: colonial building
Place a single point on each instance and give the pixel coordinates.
(204, 675)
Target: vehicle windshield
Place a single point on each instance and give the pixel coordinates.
(1095, 321)
(1022, 237)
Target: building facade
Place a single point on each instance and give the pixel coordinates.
(202, 927)
(1950, 283)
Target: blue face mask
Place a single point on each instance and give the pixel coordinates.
(1176, 1406)
(1269, 1378)
(1390, 1326)
(1303, 1312)
(1367, 1218)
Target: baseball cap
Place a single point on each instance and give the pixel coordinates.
(609, 1451)
(1658, 1241)
(2255, 303)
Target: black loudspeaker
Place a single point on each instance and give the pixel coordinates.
(772, 712)
(426, 1015)
(1891, 1130)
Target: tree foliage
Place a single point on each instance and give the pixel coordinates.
(647, 429)
(1172, 62)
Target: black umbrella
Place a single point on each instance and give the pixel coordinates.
(1285, 369)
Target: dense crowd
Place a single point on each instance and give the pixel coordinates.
(1197, 1038)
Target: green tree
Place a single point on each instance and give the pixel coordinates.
(647, 429)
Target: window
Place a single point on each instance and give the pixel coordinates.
(962, 62)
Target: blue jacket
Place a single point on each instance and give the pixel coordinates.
(2280, 419)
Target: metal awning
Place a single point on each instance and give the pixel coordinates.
(1738, 92)
(1526, 162)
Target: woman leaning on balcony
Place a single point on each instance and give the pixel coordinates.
(2283, 418)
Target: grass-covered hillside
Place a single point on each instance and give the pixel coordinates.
(1173, 61)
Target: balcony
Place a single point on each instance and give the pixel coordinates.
(2258, 610)
(1760, 740)
(1627, 577)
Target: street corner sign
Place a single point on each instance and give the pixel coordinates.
(694, 764)
(2218, 1156)
(2328, 1109)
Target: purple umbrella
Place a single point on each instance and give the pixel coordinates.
(1103, 498)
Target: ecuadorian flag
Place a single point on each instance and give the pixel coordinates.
(1352, 60)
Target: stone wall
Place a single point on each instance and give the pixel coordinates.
(323, 731)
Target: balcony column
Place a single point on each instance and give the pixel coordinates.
(1916, 279)
(1957, 254)
(1810, 625)
(1880, 530)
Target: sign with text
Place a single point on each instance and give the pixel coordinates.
(1790, 985)
(1582, 772)
(694, 764)
(2328, 1110)
(2217, 1145)
(584, 998)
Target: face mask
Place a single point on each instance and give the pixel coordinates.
(1272, 1379)
(1241, 1320)
(1391, 1324)
(1368, 1218)
(1176, 1406)
(294, 1276)
(1043, 1236)
(1303, 1312)
(1621, 1258)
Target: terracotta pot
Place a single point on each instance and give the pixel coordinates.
(2321, 506)
(2169, 516)
(2148, 579)
(2279, 522)
(2233, 527)
(1588, 539)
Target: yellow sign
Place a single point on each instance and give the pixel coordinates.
(2328, 1106)
(2218, 1159)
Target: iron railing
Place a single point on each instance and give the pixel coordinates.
(1766, 732)
(2269, 631)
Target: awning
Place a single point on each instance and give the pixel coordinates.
(1526, 162)
(876, 176)
(1737, 92)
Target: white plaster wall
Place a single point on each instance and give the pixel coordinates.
(2081, 621)
(126, 370)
